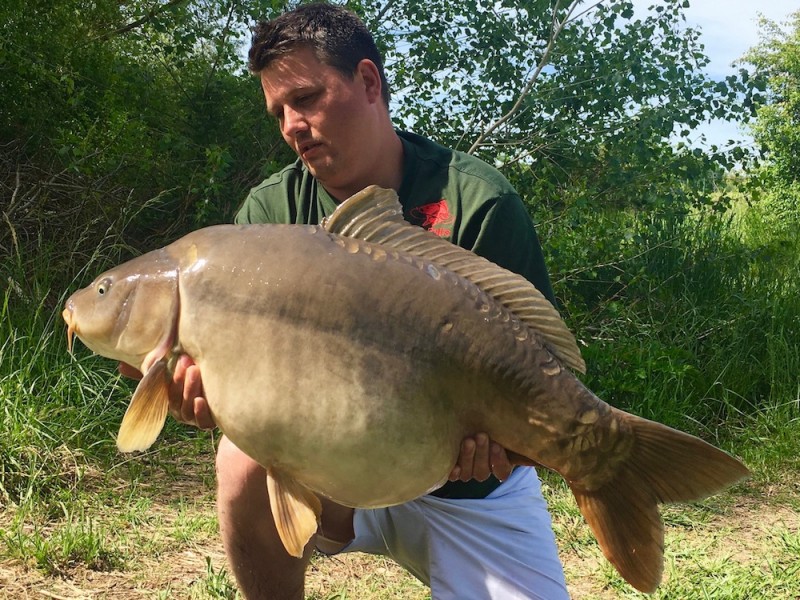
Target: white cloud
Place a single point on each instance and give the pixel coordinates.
(729, 28)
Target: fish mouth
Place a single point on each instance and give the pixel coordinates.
(72, 328)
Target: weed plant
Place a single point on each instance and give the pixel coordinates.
(690, 318)
(58, 412)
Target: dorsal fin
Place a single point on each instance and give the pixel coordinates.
(375, 215)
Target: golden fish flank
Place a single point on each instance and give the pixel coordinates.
(415, 343)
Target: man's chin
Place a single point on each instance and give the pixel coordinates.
(323, 173)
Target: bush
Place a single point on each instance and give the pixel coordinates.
(686, 318)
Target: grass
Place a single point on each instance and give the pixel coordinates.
(722, 551)
(693, 322)
(691, 319)
(55, 550)
(155, 536)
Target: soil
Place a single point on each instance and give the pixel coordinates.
(188, 567)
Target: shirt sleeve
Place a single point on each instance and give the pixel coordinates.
(251, 212)
(508, 238)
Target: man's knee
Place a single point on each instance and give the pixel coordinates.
(241, 481)
(259, 561)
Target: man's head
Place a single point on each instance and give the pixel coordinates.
(337, 37)
(323, 82)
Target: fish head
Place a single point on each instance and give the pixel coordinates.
(129, 312)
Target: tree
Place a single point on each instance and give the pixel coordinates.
(109, 107)
(106, 106)
(576, 101)
(776, 129)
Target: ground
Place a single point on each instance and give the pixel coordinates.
(154, 536)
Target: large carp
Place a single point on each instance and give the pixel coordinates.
(350, 359)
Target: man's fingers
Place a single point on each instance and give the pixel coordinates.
(194, 399)
(481, 467)
(465, 459)
(192, 389)
(473, 461)
(479, 458)
(176, 391)
(202, 414)
(501, 466)
(192, 383)
(455, 474)
(187, 402)
(128, 371)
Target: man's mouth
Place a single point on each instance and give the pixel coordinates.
(307, 147)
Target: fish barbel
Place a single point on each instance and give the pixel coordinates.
(327, 350)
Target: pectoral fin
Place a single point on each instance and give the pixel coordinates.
(295, 509)
(147, 412)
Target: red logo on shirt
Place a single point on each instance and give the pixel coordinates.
(432, 216)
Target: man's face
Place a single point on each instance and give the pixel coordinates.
(322, 115)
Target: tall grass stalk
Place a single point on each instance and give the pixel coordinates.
(58, 412)
(690, 319)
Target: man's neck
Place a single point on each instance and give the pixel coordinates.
(386, 170)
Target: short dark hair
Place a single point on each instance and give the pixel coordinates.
(336, 35)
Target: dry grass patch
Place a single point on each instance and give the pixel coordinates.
(154, 529)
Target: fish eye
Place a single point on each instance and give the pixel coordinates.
(103, 286)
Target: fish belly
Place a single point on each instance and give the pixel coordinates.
(328, 362)
(356, 371)
(365, 427)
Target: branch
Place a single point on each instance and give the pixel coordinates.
(7, 219)
(223, 36)
(556, 28)
(379, 17)
(139, 22)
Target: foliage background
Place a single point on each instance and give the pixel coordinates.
(125, 124)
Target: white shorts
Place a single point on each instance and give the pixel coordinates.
(500, 547)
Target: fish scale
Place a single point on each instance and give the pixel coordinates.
(327, 350)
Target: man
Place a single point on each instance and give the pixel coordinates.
(323, 81)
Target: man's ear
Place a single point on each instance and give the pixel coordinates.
(369, 74)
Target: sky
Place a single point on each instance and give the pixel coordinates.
(728, 29)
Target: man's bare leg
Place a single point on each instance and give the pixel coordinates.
(261, 565)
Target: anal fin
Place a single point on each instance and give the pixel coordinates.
(295, 509)
(147, 412)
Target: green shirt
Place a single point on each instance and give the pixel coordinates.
(452, 194)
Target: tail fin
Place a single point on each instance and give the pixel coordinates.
(665, 465)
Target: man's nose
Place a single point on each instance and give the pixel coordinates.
(293, 122)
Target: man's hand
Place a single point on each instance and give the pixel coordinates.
(187, 402)
(479, 458)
